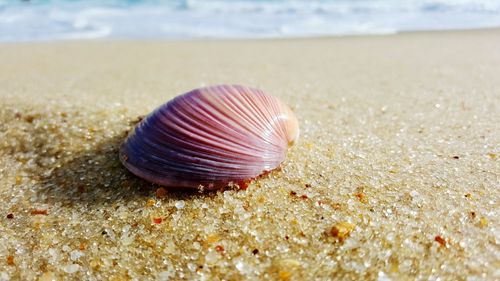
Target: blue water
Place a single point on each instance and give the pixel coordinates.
(192, 19)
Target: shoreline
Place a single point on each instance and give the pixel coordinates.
(261, 39)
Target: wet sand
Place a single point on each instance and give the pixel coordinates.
(395, 176)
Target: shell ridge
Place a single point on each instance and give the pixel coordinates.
(243, 137)
(254, 109)
(263, 157)
(234, 99)
(190, 170)
(262, 105)
(203, 111)
(191, 149)
(285, 116)
(270, 152)
(170, 154)
(256, 118)
(269, 145)
(276, 123)
(193, 133)
(154, 161)
(238, 110)
(248, 125)
(273, 111)
(171, 122)
(212, 136)
(171, 142)
(228, 112)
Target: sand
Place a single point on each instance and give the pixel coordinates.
(395, 176)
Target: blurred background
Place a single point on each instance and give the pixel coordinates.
(42, 20)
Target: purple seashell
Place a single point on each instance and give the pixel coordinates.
(210, 137)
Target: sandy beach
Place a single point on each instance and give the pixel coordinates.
(395, 176)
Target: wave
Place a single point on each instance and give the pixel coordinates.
(187, 19)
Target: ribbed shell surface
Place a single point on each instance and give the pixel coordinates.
(210, 137)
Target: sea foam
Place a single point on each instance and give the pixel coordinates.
(156, 19)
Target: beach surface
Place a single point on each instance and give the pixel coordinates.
(395, 176)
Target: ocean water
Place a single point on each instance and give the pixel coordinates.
(192, 19)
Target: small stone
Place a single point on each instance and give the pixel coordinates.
(48, 276)
(82, 246)
(76, 255)
(180, 204)
(361, 197)
(213, 238)
(127, 240)
(440, 240)
(165, 275)
(39, 212)
(169, 248)
(240, 266)
(52, 252)
(342, 230)
(71, 268)
(29, 118)
(192, 267)
(290, 263)
(10, 260)
(383, 277)
(243, 185)
(4, 276)
(211, 258)
(94, 264)
(161, 192)
(414, 194)
(284, 275)
(483, 222)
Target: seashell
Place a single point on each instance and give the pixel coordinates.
(211, 137)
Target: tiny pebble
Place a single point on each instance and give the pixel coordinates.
(342, 230)
(71, 268)
(414, 193)
(76, 255)
(48, 276)
(212, 257)
(180, 204)
(240, 266)
(4, 276)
